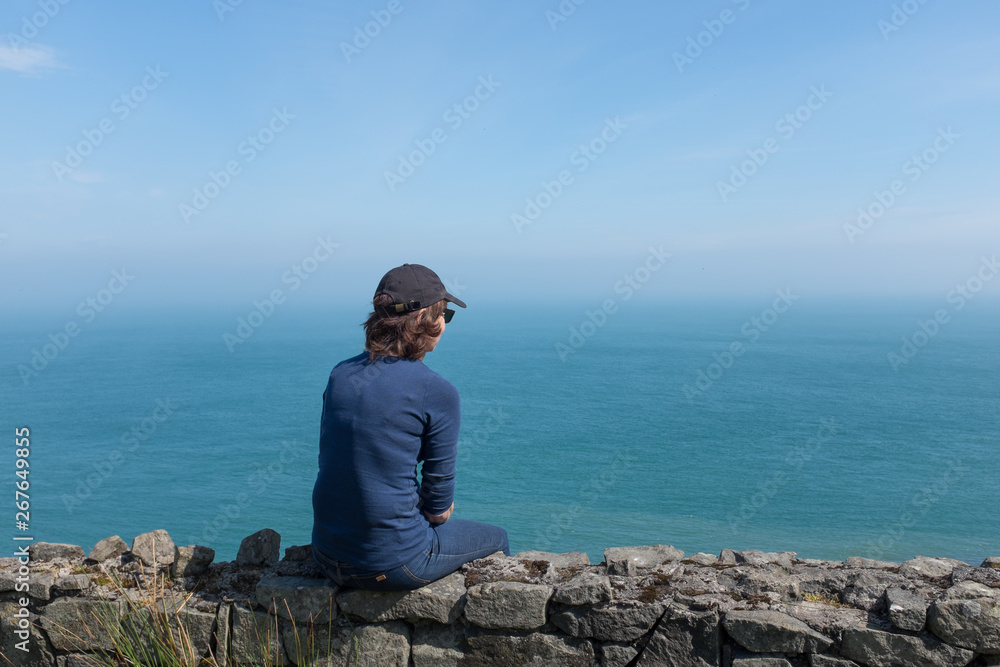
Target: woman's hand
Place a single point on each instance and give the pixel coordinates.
(438, 519)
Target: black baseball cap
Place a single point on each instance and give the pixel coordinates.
(412, 287)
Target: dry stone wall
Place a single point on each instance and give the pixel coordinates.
(642, 606)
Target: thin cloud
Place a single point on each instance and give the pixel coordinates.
(28, 59)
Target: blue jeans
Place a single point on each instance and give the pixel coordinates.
(454, 543)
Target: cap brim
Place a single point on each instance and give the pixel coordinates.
(454, 300)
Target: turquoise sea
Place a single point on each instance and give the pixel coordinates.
(646, 432)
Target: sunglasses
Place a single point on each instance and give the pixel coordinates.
(448, 314)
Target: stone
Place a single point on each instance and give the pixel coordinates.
(627, 561)
(703, 559)
(933, 568)
(300, 599)
(584, 588)
(79, 624)
(72, 582)
(42, 551)
(383, 645)
(868, 587)
(508, 605)
(532, 650)
(762, 661)
(170, 622)
(761, 558)
(154, 548)
(221, 644)
(571, 559)
(299, 553)
(615, 622)
(960, 619)
(442, 601)
(871, 563)
(766, 631)
(776, 585)
(727, 557)
(819, 660)
(261, 548)
(992, 561)
(39, 653)
(109, 547)
(617, 655)
(907, 610)
(684, 638)
(192, 561)
(256, 638)
(40, 585)
(877, 648)
(437, 645)
(826, 619)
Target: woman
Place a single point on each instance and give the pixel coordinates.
(375, 525)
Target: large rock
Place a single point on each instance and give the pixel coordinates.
(992, 561)
(868, 587)
(871, 563)
(877, 648)
(968, 615)
(109, 547)
(40, 551)
(762, 558)
(383, 645)
(437, 645)
(169, 622)
(570, 559)
(773, 660)
(586, 588)
(154, 548)
(907, 610)
(533, 650)
(300, 599)
(627, 561)
(79, 624)
(192, 561)
(222, 622)
(38, 654)
(818, 660)
(766, 631)
(826, 619)
(617, 655)
(508, 605)
(441, 601)
(263, 548)
(933, 568)
(684, 638)
(616, 622)
(72, 582)
(303, 552)
(40, 585)
(256, 638)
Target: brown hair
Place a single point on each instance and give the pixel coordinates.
(403, 335)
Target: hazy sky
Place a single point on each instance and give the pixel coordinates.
(210, 148)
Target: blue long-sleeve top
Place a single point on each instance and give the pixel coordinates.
(379, 420)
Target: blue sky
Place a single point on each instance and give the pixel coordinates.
(183, 90)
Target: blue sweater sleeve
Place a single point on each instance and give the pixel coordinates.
(439, 449)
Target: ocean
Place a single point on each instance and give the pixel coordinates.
(829, 427)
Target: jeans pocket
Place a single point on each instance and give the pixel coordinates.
(416, 579)
(369, 582)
